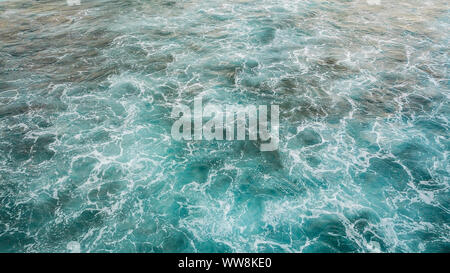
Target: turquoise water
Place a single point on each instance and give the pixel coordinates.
(87, 162)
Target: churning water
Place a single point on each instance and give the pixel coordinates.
(87, 162)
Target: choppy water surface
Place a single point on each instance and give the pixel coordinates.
(87, 162)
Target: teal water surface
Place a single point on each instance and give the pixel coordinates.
(87, 162)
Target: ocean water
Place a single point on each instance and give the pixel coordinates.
(87, 162)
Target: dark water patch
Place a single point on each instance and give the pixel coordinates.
(16, 240)
(82, 168)
(309, 137)
(331, 64)
(313, 161)
(41, 151)
(210, 246)
(330, 233)
(431, 214)
(87, 91)
(418, 104)
(302, 110)
(412, 155)
(105, 192)
(63, 232)
(357, 130)
(198, 171)
(264, 35)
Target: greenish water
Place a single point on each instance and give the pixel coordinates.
(87, 162)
